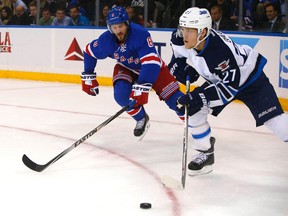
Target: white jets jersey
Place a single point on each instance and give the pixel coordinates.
(227, 66)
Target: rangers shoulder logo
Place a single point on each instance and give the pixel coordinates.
(150, 42)
(223, 66)
(95, 44)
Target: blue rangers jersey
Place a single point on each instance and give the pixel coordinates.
(227, 66)
(137, 53)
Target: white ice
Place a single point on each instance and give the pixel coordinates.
(112, 173)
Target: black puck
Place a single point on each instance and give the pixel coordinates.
(145, 205)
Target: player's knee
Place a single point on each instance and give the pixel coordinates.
(122, 90)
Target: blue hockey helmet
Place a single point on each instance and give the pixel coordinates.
(117, 15)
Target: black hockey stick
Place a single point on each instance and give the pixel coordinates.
(169, 181)
(39, 168)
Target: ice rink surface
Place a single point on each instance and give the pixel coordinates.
(112, 173)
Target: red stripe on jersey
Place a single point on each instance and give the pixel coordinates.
(150, 58)
(134, 111)
(87, 49)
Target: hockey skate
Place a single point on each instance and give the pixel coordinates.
(202, 162)
(142, 127)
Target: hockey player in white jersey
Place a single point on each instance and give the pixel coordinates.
(231, 72)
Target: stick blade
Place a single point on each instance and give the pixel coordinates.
(32, 165)
(172, 183)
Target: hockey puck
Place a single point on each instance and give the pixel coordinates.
(145, 205)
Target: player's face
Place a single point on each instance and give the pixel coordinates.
(189, 37)
(120, 30)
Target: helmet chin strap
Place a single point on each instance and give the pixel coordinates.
(199, 41)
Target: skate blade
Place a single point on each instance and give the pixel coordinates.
(145, 131)
(204, 170)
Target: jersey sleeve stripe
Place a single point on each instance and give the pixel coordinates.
(88, 50)
(151, 59)
(134, 112)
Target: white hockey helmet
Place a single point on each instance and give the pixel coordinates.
(198, 18)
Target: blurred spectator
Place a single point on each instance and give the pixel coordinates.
(15, 3)
(33, 12)
(260, 9)
(103, 16)
(61, 19)
(89, 7)
(226, 5)
(155, 12)
(6, 14)
(52, 5)
(138, 6)
(219, 22)
(132, 15)
(77, 19)
(20, 17)
(43, 4)
(274, 23)
(75, 3)
(47, 18)
(249, 13)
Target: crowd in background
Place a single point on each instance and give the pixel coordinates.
(258, 15)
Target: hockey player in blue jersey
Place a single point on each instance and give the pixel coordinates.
(139, 68)
(231, 72)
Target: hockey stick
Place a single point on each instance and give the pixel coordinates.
(39, 168)
(169, 181)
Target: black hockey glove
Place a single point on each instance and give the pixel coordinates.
(195, 100)
(180, 69)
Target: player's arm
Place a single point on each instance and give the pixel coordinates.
(207, 95)
(150, 69)
(91, 52)
(211, 94)
(149, 59)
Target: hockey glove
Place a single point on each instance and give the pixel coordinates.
(140, 93)
(89, 83)
(180, 69)
(195, 100)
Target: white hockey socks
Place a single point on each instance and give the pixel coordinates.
(279, 126)
(201, 135)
